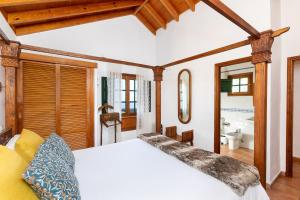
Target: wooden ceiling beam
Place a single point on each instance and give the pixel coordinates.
(23, 30)
(35, 16)
(146, 23)
(170, 8)
(6, 3)
(224, 10)
(155, 15)
(190, 4)
(208, 53)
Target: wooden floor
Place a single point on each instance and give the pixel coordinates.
(285, 188)
(242, 154)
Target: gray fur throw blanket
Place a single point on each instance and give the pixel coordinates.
(235, 174)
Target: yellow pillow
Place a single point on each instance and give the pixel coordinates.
(12, 185)
(28, 144)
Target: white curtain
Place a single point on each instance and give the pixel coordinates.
(114, 91)
(142, 102)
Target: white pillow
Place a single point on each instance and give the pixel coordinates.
(11, 143)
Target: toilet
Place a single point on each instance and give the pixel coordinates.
(234, 140)
(224, 140)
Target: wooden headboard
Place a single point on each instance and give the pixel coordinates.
(5, 136)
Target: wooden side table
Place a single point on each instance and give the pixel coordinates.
(105, 119)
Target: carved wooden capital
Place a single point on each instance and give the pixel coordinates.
(158, 73)
(261, 48)
(9, 54)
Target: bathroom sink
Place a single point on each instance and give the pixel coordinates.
(232, 134)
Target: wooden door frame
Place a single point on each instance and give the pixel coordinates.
(217, 126)
(290, 114)
(260, 141)
(89, 66)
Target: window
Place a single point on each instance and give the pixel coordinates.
(242, 84)
(129, 102)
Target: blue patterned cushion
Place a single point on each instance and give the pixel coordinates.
(51, 177)
(61, 149)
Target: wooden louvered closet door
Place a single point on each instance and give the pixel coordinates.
(39, 95)
(73, 106)
(56, 98)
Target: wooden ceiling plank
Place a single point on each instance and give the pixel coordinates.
(170, 8)
(141, 6)
(24, 30)
(6, 3)
(155, 15)
(224, 10)
(146, 23)
(190, 4)
(35, 16)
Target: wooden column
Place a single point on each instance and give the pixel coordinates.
(10, 61)
(261, 56)
(158, 77)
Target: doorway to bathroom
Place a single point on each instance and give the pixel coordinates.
(234, 114)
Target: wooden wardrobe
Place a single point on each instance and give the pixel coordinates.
(56, 95)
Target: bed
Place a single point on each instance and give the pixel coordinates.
(135, 170)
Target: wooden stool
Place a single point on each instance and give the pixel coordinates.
(187, 136)
(171, 132)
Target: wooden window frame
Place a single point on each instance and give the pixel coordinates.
(250, 84)
(128, 118)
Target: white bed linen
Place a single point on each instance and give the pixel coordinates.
(12, 142)
(134, 170)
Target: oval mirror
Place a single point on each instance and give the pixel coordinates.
(184, 96)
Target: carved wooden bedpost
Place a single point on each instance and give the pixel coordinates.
(10, 61)
(261, 56)
(158, 77)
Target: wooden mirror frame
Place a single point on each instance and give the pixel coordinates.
(190, 96)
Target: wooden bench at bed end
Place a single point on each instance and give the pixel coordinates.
(5, 136)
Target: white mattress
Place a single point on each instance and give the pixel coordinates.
(134, 170)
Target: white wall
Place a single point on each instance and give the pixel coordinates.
(10, 34)
(296, 134)
(6, 28)
(273, 137)
(121, 38)
(199, 32)
(290, 47)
